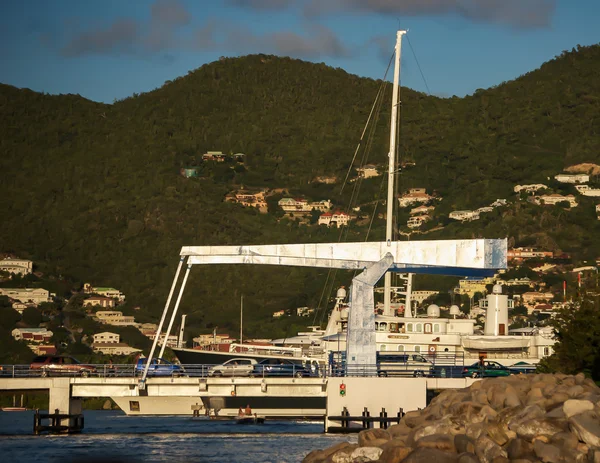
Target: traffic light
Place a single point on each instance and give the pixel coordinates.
(342, 389)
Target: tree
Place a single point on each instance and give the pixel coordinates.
(577, 332)
(32, 317)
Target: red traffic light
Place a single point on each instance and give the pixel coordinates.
(342, 387)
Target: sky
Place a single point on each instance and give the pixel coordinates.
(107, 50)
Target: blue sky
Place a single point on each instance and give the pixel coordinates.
(108, 49)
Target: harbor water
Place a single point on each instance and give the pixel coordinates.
(112, 436)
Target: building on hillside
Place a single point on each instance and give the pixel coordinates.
(416, 221)
(367, 171)
(172, 340)
(149, 327)
(213, 338)
(572, 178)
(107, 337)
(36, 335)
(101, 301)
(337, 218)
(303, 205)
(544, 268)
(114, 348)
(555, 199)
(20, 306)
(43, 349)
(464, 216)
(279, 314)
(104, 291)
(470, 286)
(304, 311)
(533, 296)
(28, 295)
(420, 210)
(530, 188)
(517, 282)
(586, 190)
(214, 156)
(325, 179)
(16, 266)
(115, 317)
(499, 202)
(528, 253)
(249, 198)
(414, 196)
(420, 296)
(485, 209)
(239, 157)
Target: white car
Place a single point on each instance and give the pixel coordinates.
(233, 367)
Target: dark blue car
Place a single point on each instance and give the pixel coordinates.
(280, 367)
(159, 367)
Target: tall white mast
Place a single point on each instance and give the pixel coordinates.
(392, 166)
(241, 317)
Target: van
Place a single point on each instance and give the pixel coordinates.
(403, 364)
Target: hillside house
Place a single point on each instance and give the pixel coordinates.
(528, 253)
(414, 196)
(172, 340)
(485, 209)
(101, 301)
(422, 295)
(586, 190)
(217, 156)
(112, 348)
(470, 286)
(28, 295)
(16, 266)
(499, 202)
(104, 291)
(326, 180)
(420, 210)
(555, 199)
(416, 221)
(533, 296)
(279, 314)
(337, 218)
(464, 216)
(43, 349)
(35, 335)
(367, 171)
(303, 205)
(304, 311)
(115, 317)
(572, 178)
(211, 339)
(530, 188)
(107, 337)
(248, 198)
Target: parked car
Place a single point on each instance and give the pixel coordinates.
(488, 369)
(61, 365)
(280, 367)
(233, 367)
(402, 364)
(159, 367)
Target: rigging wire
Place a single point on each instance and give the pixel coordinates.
(418, 65)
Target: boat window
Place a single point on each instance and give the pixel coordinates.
(401, 328)
(383, 326)
(383, 347)
(546, 351)
(409, 327)
(427, 327)
(417, 348)
(376, 326)
(394, 327)
(400, 348)
(436, 327)
(419, 327)
(446, 350)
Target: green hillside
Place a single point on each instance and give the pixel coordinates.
(93, 192)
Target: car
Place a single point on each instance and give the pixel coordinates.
(233, 367)
(280, 367)
(61, 365)
(158, 367)
(402, 364)
(489, 369)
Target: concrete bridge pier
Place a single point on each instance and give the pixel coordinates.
(62, 400)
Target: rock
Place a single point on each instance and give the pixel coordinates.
(518, 448)
(530, 412)
(343, 456)
(332, 450)
(486, 449)
(500, 459)
(369, 435)
(426, 455)
(316, 456)
(468, 457)
(574, 407)
(447, 425)
(400, 429)
(593, 455)
(511, 397)
(557, 399)
(548, 453)
(579, 378)
(107, 405)
(438, 441)
(475, 430)
(575, 391)
(535, 427)
(464, 444)
(496, 433)
(365, 454)
(413, 419)
(557, 412)
(565, 439)
(586, 426)
(394, 454)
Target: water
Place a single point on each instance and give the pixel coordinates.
(111, 436)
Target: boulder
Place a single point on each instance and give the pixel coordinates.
(400, 429)
(574, 407)
(496, 433)
(468, 457)
(413, 419)
(486, 449)
(366, 454)
(547, 453)
(586, 426)
(519, 448)
(370, 435)
(438, 441)
(464, 444)
(316, 456)
(426, 455)
(394, 454)
(565, 440)
(535, 427)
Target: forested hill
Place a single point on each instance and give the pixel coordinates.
(93, 190)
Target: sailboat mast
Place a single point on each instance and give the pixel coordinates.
(241, 317)
(392, 166)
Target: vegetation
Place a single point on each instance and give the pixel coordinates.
(92, 192)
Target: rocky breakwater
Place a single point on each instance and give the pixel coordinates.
(524, 418)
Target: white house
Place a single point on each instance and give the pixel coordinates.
(419, 210)
(485, 209)
(101, 301)
(585, 190)
(16, 266)
(107, 337)
(115, 317)
(303, 205)
(335, 218)
(556, 198)
(414, 196)
(464, 216)
(367, 171)
(304, 311)
(572, 178)
(112, 348)
(417, 220)
(25, 295)
(498, 203)
(530, 188)
(32, 334)
(279, 314)
(104, 291)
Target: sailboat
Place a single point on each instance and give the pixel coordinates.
(424, 339)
